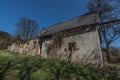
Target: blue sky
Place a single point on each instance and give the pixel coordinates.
(45, 12)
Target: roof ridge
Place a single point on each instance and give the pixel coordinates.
(88, 13)
(82, 20)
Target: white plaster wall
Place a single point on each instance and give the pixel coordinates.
(88, 48)
(45, 44)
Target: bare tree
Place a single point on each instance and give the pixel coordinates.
(26, 29)
(108, 32)
(117, 6)
(102, 7)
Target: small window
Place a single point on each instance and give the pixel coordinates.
(72, 46)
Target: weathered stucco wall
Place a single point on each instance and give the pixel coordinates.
(83, 48)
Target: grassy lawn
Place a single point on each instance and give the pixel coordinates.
(14, 66)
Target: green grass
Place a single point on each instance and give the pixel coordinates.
(14, 66)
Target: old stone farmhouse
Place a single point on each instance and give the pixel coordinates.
(76, 40)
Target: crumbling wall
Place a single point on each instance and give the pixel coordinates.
(31, 47)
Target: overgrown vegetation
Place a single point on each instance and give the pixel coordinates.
(5, 40)
(20, 67)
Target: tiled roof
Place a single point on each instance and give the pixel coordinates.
(86, 19)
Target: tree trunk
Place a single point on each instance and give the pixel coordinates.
(107, 55)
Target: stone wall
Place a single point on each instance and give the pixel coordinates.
(31, 47)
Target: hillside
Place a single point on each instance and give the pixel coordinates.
(14, 66)
(5, 40)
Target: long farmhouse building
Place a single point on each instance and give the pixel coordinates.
(76, 40)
